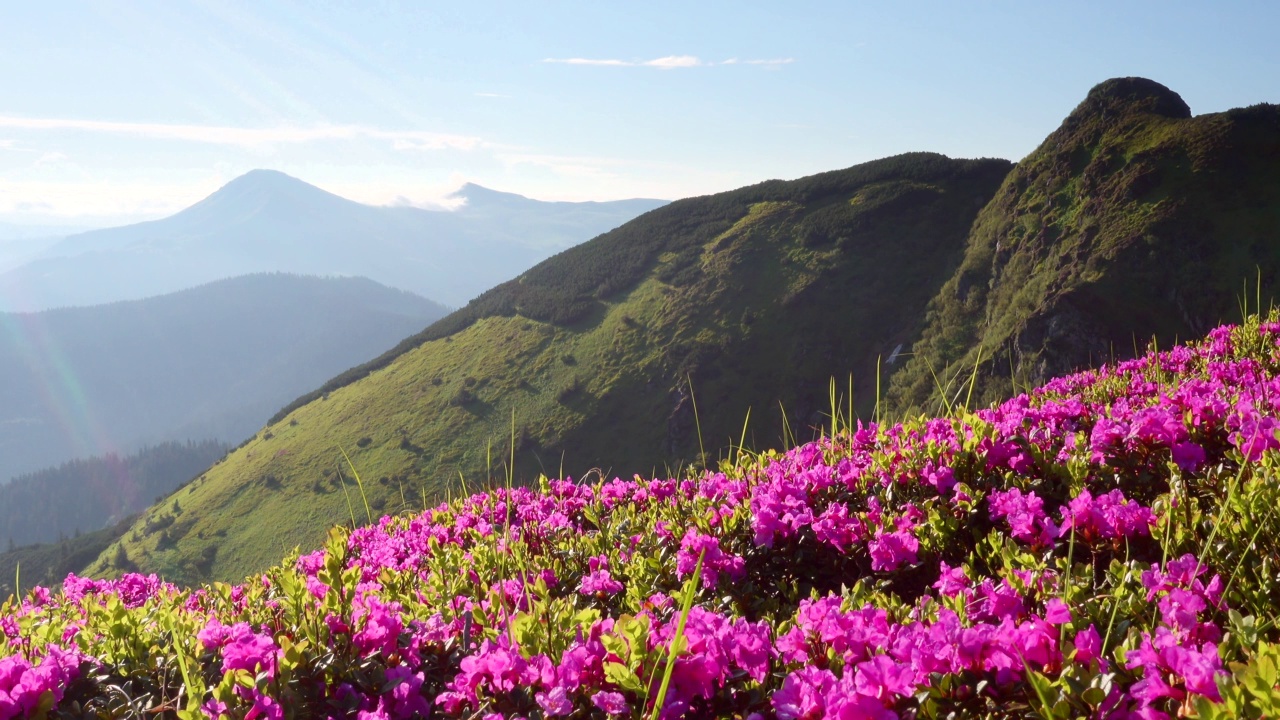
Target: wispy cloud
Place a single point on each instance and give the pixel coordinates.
(588, 61)
(249, 137)
(672, 62)
(51, 158)
(669, 62)
(491, 95)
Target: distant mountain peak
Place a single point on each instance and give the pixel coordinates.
(264, 180)
(265, 174)
(256, 190)
(478, 196)
(1132, 94)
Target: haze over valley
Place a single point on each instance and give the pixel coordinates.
(266, 221)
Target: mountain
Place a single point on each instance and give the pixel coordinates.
(1132, 220)
(754, 297)
(85, 495)
(210, 362)
(266, 221)
(16, 231)
(691, 326)
(20, 244)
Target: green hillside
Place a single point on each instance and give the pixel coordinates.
(1132, 220)
(756, 297)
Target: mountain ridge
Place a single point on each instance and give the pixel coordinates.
(1133, 216)
(267, 221)
(82, 381)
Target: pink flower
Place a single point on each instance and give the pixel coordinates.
(1025, 515)
(405, 690)
(883, 679)
(890, 551)
(247, 650)
(951, 580)
(598, 581)
(1088, 645)
(696, 545)
(611, 702)
(1056, 612)
(803, 694)
(837, 528)
(1188, 456)
(750, 647)
(1107, 517)
(1256, 435)
(555, 702)
(214, 635)
(213, 708)
(381, 626)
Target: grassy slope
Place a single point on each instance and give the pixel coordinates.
(47, 564)
(758, 296)
(1133, 219)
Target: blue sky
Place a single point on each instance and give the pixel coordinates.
(118, 111)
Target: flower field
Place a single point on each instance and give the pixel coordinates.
(1105, 546)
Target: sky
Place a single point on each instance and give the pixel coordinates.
(113, 112)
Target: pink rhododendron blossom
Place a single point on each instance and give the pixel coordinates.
(715, 561)
(951, 580)
(1025, 515)
(889, 551)
(598, 581)
(1056, 612)
(611, 703)
(249, 650)
(1088, 645)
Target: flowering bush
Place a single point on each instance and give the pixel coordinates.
(1104, 546)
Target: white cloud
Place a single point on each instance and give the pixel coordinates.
(96, 202)
(51, 158)
(669, 62)
(672, 62)
(249, 137)
(588, 61)
(596, 168)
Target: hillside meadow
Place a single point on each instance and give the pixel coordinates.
(753, 298)
(1102, 546)
(716, 321)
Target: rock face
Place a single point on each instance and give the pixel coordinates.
(1132, 220)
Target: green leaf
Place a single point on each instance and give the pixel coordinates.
(1093, 697)
(622, 676)
(616, 646)
(524, 628)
